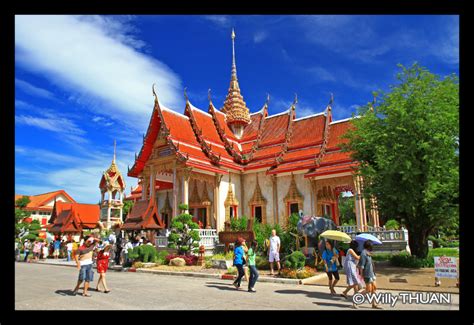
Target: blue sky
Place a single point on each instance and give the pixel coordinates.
(83, 81)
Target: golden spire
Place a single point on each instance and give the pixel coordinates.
(115, 145)
(234, 106)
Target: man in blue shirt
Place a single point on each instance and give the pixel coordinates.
(330, 257)
(57, 246)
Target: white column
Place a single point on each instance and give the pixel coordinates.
(185, 188)
(108, 218)
(175, 192)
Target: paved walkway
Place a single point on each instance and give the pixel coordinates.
(399, 278)
(388, 278)
(48, 287)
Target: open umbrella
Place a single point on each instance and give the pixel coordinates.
(366, 237)
(336, 235)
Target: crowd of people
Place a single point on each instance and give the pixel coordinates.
(358, 265)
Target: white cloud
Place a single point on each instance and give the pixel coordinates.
(219, 20)
(33, 90)
(78, 175)
(260, 36)
(96, 59)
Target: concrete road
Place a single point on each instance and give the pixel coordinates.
(43, 287)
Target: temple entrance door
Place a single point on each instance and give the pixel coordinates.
(258, 214)
(294, 208)
(202, 216)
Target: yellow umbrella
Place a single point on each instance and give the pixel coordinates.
(336, 235)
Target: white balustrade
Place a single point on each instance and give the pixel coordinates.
(161, 241)
(209, 238)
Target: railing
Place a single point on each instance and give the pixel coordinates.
(354, 229)
(387, 235)
(161, 241)
(209, 238)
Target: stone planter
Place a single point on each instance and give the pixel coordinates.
(222, 264)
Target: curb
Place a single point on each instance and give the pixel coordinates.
(191, 274)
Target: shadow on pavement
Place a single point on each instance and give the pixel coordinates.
(68, 292)
(312, 294)
(232, 288)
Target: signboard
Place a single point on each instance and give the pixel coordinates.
(446, 267)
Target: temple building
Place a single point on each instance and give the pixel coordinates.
(226, 163)
(73, 218)
(41, 205)
(112, 189)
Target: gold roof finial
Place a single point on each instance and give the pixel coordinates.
(234, 67)
(115, 145)
(186, 95)
(209, 95)
(154, 93)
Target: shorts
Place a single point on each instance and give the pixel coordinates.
(274, 257)
(335, 273)
(86, 273)
(56, 252)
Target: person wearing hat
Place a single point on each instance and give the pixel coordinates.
(83, 259)
(102, 266)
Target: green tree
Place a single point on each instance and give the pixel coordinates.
(20, 215)
(127, 206)
(346, 209)
(184, 235)
(408, 150)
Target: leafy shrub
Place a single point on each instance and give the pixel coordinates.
(189, 259)
(143, 253)
(437, 242)
(227, 256)
(239, 224)
(261, 262)
(184, 235)
(411, 261)
(392, 224)
(295, 260)
(381, 256)
(208, 262)
(161, 259)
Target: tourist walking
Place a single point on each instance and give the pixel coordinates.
(17, 251)
(128, 245)
(274, 251)
(84, 264)
(102, 267)
(350, 268)
(26, 249)
(330, 258)
(366, 267)
(57, 247)
(69, 250)
(251, 253)
(239, 251)
(36, 250)
(45, 250)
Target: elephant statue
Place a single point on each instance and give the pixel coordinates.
(311, 227)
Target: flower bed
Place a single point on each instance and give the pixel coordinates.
(303, 273)
(189, 259)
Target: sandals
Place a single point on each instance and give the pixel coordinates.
(86, 295)
(344, 295)
(107, 291)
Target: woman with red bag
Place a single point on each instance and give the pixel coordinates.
(102, 266)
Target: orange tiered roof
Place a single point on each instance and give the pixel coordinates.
(278, 142)
(73, 217)
(144, 215)
(37, 202)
